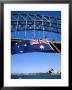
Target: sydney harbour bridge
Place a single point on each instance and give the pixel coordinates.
(35, 27)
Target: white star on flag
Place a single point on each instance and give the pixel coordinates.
(25, 44)
(15, 43)
(21, 51)
(18, 46)
(41, 46)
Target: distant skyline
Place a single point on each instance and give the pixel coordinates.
(38, 61)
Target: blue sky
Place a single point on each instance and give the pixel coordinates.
(37, 61)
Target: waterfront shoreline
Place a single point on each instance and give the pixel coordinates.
(36, 76)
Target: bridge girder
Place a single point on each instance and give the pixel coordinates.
(22, 22)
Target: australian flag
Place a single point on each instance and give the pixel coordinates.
(26, 46)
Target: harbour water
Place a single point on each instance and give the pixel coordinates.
(37, 76)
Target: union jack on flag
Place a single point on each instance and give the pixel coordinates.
(39, 41)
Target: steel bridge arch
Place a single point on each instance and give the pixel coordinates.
(36, 22)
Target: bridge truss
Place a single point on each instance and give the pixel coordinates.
(35, 23)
